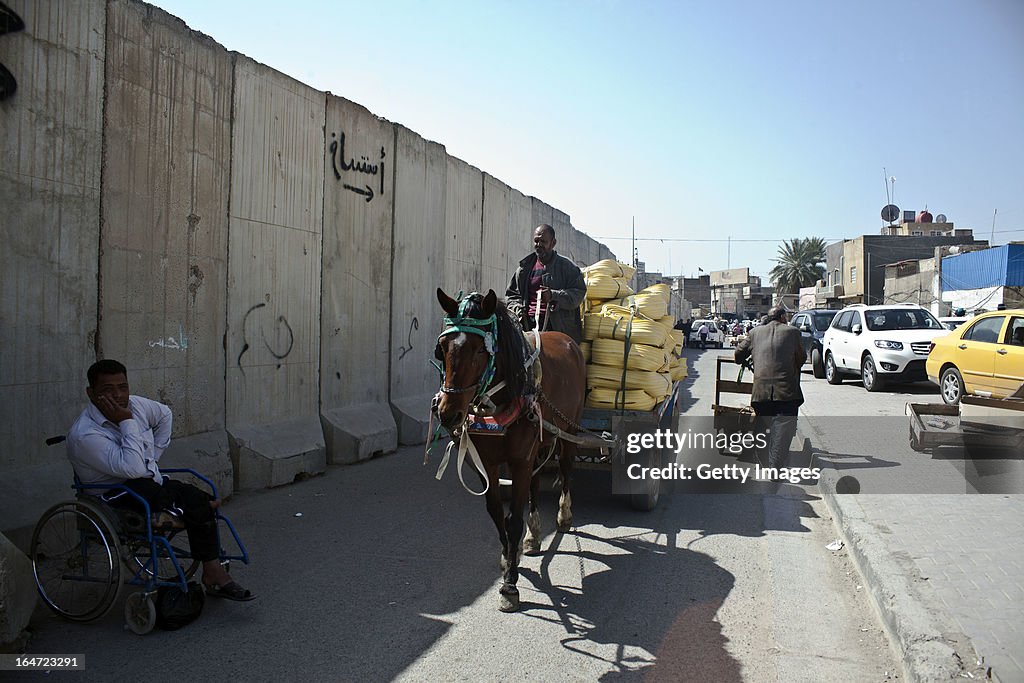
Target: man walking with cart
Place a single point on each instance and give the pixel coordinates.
(777, 355)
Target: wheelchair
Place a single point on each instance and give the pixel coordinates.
(85, 551)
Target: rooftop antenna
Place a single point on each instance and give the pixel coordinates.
(992, 237)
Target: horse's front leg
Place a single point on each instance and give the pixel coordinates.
(509, 594)
(496, 509)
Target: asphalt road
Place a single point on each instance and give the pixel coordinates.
(389, 574)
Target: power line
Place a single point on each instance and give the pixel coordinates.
(781, 239)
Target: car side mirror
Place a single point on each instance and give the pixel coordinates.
(856, 329)
(804, 327)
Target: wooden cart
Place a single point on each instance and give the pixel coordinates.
(615, 426)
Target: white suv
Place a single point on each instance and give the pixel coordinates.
(882, 344)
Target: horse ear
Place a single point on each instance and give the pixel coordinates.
(450, 305)
(490, 303)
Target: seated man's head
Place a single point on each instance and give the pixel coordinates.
(109, 379)
(1018, 336)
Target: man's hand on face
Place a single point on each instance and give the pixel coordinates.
(111, 410)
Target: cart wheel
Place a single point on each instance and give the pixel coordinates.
(140, 613)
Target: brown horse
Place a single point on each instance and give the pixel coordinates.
(481, 347)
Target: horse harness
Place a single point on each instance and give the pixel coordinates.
(482, 403)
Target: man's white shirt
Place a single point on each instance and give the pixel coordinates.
(106, 453)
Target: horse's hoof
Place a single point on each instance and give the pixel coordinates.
(564, 524)
(532, 547)
(508, 602)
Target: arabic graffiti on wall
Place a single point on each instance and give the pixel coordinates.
(339, 165)
(179, 344)
(281, 323)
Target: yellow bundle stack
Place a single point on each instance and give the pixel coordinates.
(601, 287)
(610, 399)
(677, 370)
(611, 352)
(611, 268)
(679, 340)
(655, 384)
(615, 324)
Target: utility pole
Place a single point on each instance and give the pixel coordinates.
(634, 242)
(728, 253)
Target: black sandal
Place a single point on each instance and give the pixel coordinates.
(230, 591)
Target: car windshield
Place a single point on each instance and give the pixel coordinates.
(822, 321)
(901, 319)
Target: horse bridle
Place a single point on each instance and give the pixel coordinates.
(487, 328)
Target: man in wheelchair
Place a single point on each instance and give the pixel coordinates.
(118, 439)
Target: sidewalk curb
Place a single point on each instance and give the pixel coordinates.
(930, 645)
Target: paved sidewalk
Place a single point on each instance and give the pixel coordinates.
(946, 572)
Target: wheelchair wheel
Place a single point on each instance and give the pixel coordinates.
(76, 560)
(139, 551)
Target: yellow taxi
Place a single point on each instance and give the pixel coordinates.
(984, 357)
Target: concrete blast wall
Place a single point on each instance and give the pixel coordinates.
(263, 256)
(420, 239)
(356, 301)
(273, 303)
(165, 225)
(51, 132)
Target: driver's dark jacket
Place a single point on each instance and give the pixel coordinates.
(568, 289)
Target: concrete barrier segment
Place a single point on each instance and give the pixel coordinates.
(359, 433)
(267, 455)
(17, 596)
(412, 417)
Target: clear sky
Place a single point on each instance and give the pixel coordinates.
(703, 119)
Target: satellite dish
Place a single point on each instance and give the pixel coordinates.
(941, 218)
(890, 212)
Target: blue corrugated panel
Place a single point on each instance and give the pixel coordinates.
(1015, 265)
(995, 267)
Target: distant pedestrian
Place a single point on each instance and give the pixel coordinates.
(703, 332)
(777, 354)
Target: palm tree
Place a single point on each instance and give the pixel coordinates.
(799, 264)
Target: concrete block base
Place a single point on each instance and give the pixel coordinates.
(412, 415)
(359, 432)
(27, 492)
(274, 454)
(17, 595)
(209, 454)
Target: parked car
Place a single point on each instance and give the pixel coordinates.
(951, 323)
(882, 344)
(812, 325)
(984, 357)
(716, 337)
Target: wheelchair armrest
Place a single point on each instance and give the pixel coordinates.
(188, 470)
(116, 487)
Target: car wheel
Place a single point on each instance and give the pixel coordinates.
(869, 374)
(951, 385)
(817, 366)
(831, 371)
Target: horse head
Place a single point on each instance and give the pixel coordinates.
(466, 349)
